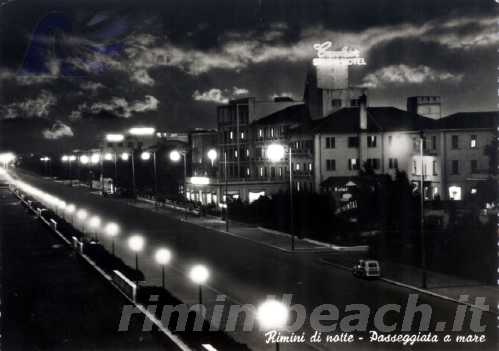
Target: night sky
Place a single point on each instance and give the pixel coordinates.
(71, 70)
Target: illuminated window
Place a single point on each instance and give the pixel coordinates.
(280, 171)
(473, 191)
(242, 135)
(473, 142)
(297, 167)
(455, 193)
(235, 153)
(247, 171)
(247, 152)
(271, 132)
(353, 164)
(231, 135)
(371, 141)
(260, 133)
(310, 167)
(261, 171)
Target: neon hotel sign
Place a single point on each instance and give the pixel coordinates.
(346, 56)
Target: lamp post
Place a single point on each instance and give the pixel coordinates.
(146, 156)
(226, 195)
(45, 160)
(423, 249)
(94, 224)
(112, 230)
(175, 156)
(272, 315)
(275, 153)
(199, 274)
(163, 257)
(136, 244)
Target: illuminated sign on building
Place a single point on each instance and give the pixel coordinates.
(346, 56)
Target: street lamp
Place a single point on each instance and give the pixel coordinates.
(70, 210)
(84, 159)
(95, 158)
(112, 230)
(175, 156)
(163, 257)
(125, 156)
(94, 224)
(423, 250)
(276, 153)
(272, 315)
(45, 160)
(81, 215)
(136, 244)
(68, 159)
(146, 156)
(199, 274)
(212, 155)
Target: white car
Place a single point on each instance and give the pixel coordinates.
(367, 269)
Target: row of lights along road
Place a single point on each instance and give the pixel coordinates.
(271, 314)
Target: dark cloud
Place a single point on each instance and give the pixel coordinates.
(115, 63)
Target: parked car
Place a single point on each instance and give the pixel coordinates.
(367, 269)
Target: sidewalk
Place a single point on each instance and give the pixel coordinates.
(438, 284)
(259, 235)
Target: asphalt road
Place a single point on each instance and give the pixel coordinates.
(248, 272)
(51, 300)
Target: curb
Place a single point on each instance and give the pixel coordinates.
(356, 248)
(175, 339)
(415, 288)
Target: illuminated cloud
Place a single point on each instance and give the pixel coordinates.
(403, 74)
(36, 107)
(118, 106)
(219, 96)
(57, 131)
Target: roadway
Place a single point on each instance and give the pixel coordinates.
(247, 272)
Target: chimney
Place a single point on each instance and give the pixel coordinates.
(363, 111)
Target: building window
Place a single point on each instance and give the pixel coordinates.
(353, 164)
(272, 172)
(355, 103)
(455, 142)
(353, 141)
(271, 132)
(455, 193)
(473, 142)
(434, 167)
(247, 152)
(331, 165)
(330, 142)
(231, 135)
(455, 166)
(247, 171)
(297, 167)
(242, 135)
(235, 153)
(280, 171)
(261, 171)
(374, 163)
(474, 166)
(336, 103)
(393, 163)
(390, 139)
(433, 142)
(260, 133)
(310, 166)
(371, 141)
